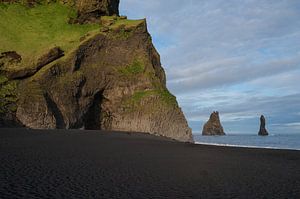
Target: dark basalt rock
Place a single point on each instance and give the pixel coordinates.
(11, 56)
(9, 120)
(263, 131)
(91, 10)
(213, 126)
(52, 55)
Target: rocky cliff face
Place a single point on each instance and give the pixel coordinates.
(111, 80)
(213, 125)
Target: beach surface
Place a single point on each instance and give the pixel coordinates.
(95, 164)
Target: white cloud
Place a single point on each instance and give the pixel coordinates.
(294, 124)
(227, 72)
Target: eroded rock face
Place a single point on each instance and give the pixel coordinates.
(10, 56)
(112, 81)
(92, 10)
(263, 131)
(11, 66)
(50, 56)
(213, 125)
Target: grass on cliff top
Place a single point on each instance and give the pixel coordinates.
(117, 21)
(124, 27)
(31, 31)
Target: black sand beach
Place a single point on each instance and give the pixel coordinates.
(77, 164)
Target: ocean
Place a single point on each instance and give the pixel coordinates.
(275, 141)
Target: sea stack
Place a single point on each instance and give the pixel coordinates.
(263, 131)
(213, 126)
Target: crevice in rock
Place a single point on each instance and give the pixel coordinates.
(92, 119)
(80, 87)
(79, 59)
(60, 123)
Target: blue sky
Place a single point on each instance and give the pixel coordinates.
(240, 57)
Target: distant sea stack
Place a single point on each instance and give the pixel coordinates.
(263, 131)
(213, 126)
(103, 75)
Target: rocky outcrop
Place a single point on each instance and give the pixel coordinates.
(262, 130)
(113, 80)
(50, 56)
(92, 10)
(18, 72)
(213, 125)
(10, 56)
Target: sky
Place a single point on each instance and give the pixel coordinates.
(238, 57)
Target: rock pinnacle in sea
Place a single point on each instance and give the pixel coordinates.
(213, 126)
(263, 131)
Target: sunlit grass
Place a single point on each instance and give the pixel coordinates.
(31, 31)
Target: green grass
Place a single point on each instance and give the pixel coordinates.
(8, 96)
(31, 31)
(139, 95)
(164, 95)
(124, 27)
(3, 79)
(117, 22)
(124, 34)
(167, 97)
(136, 67)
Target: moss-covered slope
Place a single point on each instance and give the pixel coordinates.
(105, 75)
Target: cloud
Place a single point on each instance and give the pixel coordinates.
(227, 72)
(293, 124)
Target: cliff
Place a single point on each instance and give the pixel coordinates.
(213, 126)
(58, 74)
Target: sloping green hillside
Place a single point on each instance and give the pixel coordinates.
(31, 31)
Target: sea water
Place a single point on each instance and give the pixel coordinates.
(275, 141)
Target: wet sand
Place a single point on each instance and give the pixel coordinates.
(77, 164)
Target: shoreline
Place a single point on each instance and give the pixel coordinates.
(97, 164)
(245, 146)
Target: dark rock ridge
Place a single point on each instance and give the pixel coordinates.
(263, 131)
(213, 125)
(9, 58)
(88, 11)
(113, 80)
(92, 10)
(52, 55)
